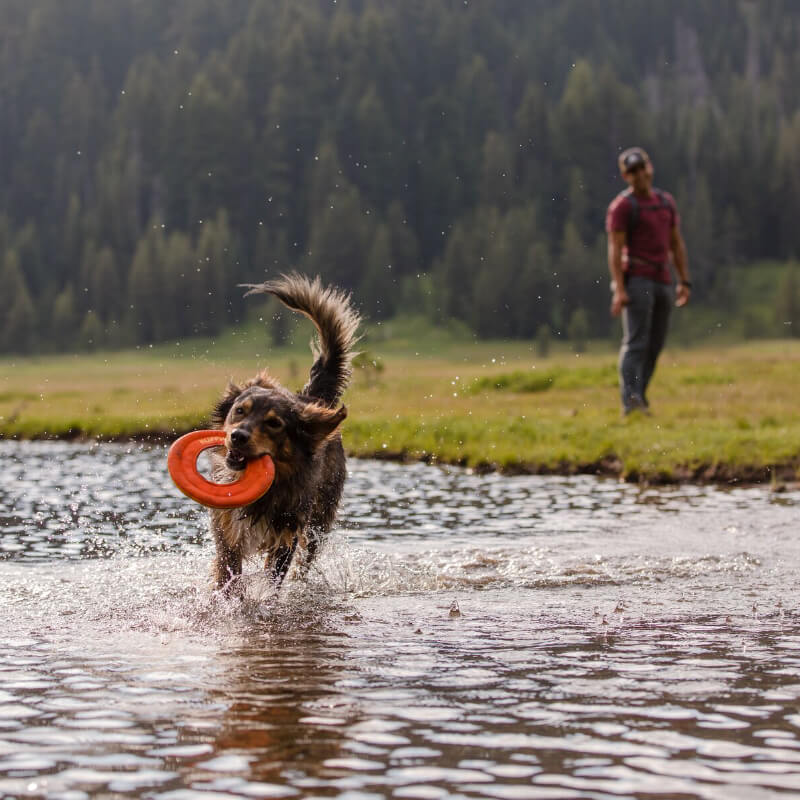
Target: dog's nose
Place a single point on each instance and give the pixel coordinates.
(239, 437)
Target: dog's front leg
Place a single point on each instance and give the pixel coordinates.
(312, 546)
(280, 557)
(227, 568)
(228, 561)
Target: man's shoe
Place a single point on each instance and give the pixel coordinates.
(636, 404)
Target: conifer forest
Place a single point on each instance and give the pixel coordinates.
(450, 158)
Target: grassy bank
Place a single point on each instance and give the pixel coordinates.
(721, 413)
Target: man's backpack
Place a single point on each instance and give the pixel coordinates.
(633, 217)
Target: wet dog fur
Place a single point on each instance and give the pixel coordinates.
(299, 430)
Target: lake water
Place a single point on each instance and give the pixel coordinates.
(609, 641)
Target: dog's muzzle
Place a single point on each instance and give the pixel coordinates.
(238, 440)
(236, 461)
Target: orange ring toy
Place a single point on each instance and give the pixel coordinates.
(182, 465)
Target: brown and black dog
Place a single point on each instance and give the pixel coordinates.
(299, 430)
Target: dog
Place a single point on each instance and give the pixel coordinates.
(299, 430)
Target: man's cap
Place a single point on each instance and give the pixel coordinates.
(632, 157)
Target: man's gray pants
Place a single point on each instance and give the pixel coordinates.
(645, 321)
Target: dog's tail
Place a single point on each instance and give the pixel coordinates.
(336, 322)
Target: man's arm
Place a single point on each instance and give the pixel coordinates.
(681, 261)
(619, 298)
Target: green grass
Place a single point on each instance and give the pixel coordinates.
(533, 380)
(719, 412)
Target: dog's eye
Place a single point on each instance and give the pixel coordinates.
(238, 411)
(273, 423)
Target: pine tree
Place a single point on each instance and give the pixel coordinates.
(339, 240)
(698, 227)
(578, 329)
(788, 301)
(327, 180)
(534, 290)
(71, 238)
(405, 249)
(28, 247)
(573, 278)
(92, 334)
(531, 143)
(215, 275)
(375, 145)
(105, 289)
(180, 265)
(18, 329)
(147, 307)
(497, 178)
(273, 168)
(64, 320)
(456, 271)
(543, 338)
(496, 296)
(378, 291)
(492, 289)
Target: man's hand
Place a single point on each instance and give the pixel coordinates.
(678, 248)
(616, 243)
(618, 300)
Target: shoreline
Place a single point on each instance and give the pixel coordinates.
(721, 416)
(779, 477)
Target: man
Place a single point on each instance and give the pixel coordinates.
(644, 235)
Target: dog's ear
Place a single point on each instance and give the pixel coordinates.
(224, 404)
(320, 422)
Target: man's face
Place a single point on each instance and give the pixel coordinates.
(640, 176)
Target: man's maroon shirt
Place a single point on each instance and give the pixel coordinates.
(650, 239)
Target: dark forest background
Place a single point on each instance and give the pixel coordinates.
(449, 158)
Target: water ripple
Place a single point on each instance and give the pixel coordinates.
(461, 636)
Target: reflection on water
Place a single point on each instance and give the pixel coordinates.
(612, 642)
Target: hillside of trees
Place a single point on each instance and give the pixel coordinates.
(452, 157)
